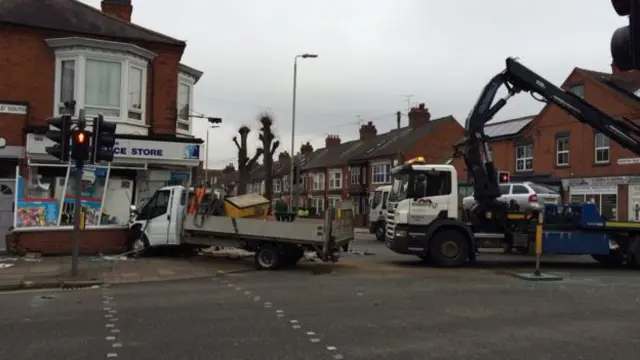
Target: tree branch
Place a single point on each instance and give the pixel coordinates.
(253, 160)
(274, 147)
(235, 140)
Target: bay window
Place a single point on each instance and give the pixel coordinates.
(187, 78)
(103, 77)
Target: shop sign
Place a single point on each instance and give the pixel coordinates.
(131, 148)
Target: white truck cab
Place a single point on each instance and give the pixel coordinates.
(422, 214)
(378, 211)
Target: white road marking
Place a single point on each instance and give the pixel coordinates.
(310, 333)
(111, 338)
(296, 326)
(115, 331)
(109, 325)
(117, 345)
(332, 348)
(112, 355)
(314, 340)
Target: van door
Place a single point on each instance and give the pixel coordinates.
(156, 213)
(179, 206)
(375, 205)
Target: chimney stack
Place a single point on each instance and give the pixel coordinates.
(419, 116)
(368, 131)
(306, 149)
(284, 157)
(331, 141)
(119, 8)
(228, 169)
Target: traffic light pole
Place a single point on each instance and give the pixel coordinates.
(77, 213)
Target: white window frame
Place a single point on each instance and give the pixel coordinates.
(129, 56)
(562, 152)
(523, 160)
(355, 173)
(184, 80)
(277, 186)
(335, 179)
(318, 181)
(318, 200)
(383, 178)
(606, 148)
(249, 188)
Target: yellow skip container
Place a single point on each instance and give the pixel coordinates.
(246, 206)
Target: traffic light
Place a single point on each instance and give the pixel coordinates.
(625, 42)
(60, 137)
(103, 140)
(504, 177)
(80, 144)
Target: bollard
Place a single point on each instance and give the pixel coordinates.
(539, 226)
(537, 275)
(83, 220)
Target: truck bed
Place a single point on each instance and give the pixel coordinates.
(302, 231)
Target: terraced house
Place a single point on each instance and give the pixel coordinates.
(353, 169)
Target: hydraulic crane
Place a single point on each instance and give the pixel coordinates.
(427, 223)
(518, 78)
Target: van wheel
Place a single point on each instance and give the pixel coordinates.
(449, 248)
(267, 257)
(380, 231)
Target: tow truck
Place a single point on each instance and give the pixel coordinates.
(424, 219)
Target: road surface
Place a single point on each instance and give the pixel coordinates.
(420, 313)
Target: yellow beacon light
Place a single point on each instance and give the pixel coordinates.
(416, 160)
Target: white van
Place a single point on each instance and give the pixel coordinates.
(378, 211)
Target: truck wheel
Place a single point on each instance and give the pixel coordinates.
(380, 231)
(267, 257)
(611, 260)
(449, 248)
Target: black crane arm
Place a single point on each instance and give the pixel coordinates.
(516, 78)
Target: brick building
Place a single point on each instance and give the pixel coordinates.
(54, 51)
(554, 148)
(353, 169)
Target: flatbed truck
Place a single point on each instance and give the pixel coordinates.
(424, 219)
(164, 220)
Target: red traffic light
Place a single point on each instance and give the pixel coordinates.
(504, 177)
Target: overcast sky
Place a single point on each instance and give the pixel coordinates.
(371, 54)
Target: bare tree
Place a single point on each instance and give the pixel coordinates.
(244, 163)
(269, 147)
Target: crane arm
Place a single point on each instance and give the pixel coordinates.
(518, 78)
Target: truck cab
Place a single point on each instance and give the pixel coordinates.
(378, 211)
(422, 214)
(159, 220)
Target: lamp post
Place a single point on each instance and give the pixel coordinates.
(210, 120)
(293, 122)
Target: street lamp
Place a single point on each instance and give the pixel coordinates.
(210, 120)
(293, 122)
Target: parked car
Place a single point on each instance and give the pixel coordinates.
(528, 195)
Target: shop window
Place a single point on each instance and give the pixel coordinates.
(47, 199)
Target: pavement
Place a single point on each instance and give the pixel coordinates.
(50, 272)
(338, 315)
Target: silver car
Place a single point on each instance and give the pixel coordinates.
(528, 196)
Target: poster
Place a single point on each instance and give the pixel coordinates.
(90, 208)
(37, 213)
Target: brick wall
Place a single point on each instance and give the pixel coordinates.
(60, 242)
